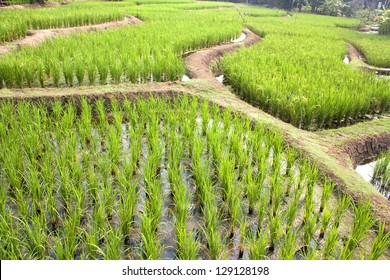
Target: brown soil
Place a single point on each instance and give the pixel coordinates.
(198, 64)
(36, 37)
(367, 148)
(355, 55)
(33, 6)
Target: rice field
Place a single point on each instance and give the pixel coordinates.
(15, 23)
(172, 178)
(144, 53)
(298, 75)
(374, 47)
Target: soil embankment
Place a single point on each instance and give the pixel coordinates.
(358, 60)
(198, 63)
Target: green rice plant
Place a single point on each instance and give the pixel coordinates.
(251, 189)
(326, 193)
(188, 245)
(80, 71)
(289, 245)
(36, 238)
(363, 221)
(261, 209)
(152, 248)
(292, 208)
(116, 71)
(381, 243)
(331, 242)
(91, 72)
(127, 205)
(275, 231)
(113, 244)
(381, 176)
(326, 217)
(344, 202)
(11, 245)
(68, 70)
(258, 245)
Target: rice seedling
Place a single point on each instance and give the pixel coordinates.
(363, 221)
(289, 245)
(258, 245)
(380, 244)
(381, 177)
(331, 243)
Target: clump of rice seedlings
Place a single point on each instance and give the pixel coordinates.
(326, 217)
(363, 221)
(343, 204)
(289, 245)
(331, 243)
(381, 176)
(326, 193)
(113, 244)
(151, 246)
(380, 244)
(257, 243)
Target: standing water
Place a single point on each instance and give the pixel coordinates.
(367, 172)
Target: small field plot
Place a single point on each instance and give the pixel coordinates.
(172, 178)
(297, 73)
(148, 52)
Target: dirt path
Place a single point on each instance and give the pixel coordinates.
(358, 60)
(36, 37)
(198, 63)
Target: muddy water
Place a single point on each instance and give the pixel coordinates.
(367, 172)
(185, 78)
(239, 39)
(220, 79)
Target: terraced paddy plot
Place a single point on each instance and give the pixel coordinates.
(15, 23)
(144, 53)
(298, 74)
(375, 47)
(165, 179)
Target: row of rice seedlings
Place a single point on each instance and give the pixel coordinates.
(381, 177)
(87, 190)
(89, 59)
(282, 82)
